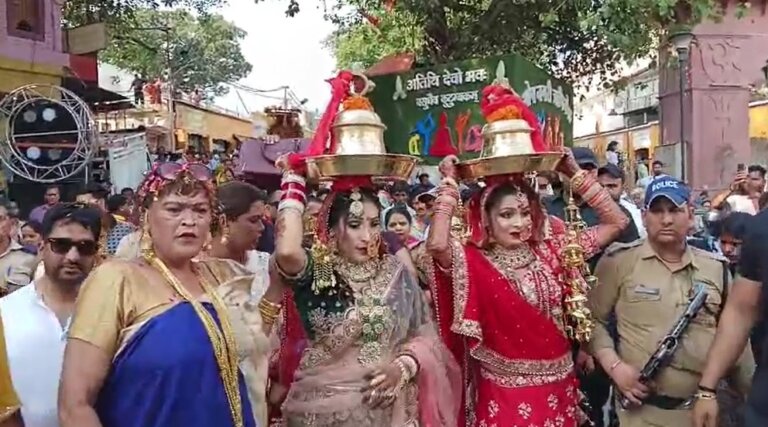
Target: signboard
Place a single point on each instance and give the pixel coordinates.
(433, 112)
(87, 39)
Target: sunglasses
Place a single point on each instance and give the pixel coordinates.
(62, 246)
(170, 171)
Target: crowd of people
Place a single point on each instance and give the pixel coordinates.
(191, 301)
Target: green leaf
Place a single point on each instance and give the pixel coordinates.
(199, 52)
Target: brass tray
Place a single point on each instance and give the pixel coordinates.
(377, 166)
(503, 165)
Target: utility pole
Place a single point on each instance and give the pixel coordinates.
(171, 85)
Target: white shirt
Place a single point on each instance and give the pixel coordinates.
(741, 203)
(643, 182)
(258, 263)
(637, 216)
(35, 343)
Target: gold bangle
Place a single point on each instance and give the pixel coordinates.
(404, 378)
(577, 180)
(269, 308)
(411, 364)
(268, 303)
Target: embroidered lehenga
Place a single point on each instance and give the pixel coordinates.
(509, 314)
(502, 312)
(351, 327)
(349, 333)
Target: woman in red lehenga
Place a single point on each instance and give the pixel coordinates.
(500, 296)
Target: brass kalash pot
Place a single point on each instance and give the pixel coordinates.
(507, 149)
(359, 144)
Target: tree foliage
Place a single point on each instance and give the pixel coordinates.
(572, 39)
(198, 52)
(123, 13)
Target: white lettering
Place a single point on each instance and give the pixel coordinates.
(428, 101)
(418, 82)
(545, 93)
(447, 100)
(422, 82)
(664, 184)
(454, 78)
(478, 75)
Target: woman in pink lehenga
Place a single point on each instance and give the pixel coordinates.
(359, 347)
(500, 297)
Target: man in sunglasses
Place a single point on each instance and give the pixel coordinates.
(37, 316)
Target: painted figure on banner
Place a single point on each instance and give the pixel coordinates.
(414, 144)
(426, 128)
(462, 120)
(443, 145)
(474, 143)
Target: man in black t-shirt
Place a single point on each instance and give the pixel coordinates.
(743, 309)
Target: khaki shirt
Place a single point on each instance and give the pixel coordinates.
(16, 267)
(648, 297)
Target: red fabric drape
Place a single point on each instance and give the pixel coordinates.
(484, 312)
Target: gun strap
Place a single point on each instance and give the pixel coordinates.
(726, 286)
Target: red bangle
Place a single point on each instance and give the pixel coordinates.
(292, 195)
(293, 186)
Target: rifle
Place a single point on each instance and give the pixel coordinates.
(666, 349)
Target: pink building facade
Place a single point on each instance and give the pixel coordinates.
(31, 43)
(726, 60)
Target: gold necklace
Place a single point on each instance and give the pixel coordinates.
(354, 272)
(515, 258)
(223, 341)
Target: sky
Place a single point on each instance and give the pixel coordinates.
(283, 52)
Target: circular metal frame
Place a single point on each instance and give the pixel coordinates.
(86, 133)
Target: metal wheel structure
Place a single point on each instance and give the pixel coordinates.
(43, 104)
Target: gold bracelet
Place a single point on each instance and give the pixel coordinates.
(705, 395)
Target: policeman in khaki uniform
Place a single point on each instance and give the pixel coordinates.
(16, 264)
(647, 284)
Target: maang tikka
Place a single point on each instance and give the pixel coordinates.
(356, 209)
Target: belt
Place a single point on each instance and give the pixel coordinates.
(667, 402)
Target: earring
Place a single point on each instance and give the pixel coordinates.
(333, 247)
(323, 256)
(374, 245)
(224, 232)
(145, 241)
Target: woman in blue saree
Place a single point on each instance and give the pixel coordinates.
(158, 341)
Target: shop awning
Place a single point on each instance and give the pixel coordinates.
(258, 155)
(97, 97)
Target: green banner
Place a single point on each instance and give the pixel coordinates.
(432, 112)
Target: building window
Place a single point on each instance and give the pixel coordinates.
(26, 19)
